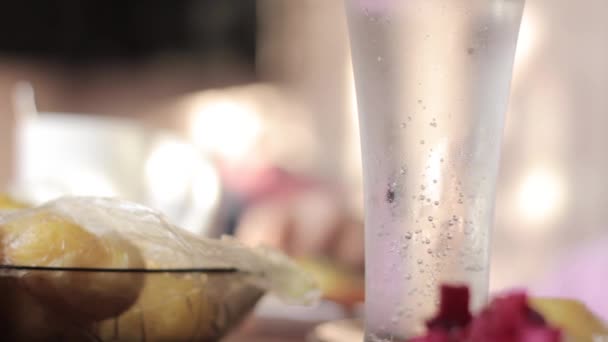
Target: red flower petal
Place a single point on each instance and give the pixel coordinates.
(454, 310)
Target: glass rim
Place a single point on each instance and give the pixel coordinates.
(214, 270)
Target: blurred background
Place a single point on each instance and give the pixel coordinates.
(239, 116)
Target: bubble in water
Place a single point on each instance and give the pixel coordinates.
(420, 261)
(430, 218)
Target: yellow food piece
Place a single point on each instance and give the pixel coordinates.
(337, 282)
(572, 316)
(44, 238)
(23, 318)
(6, 202)
(170, 308)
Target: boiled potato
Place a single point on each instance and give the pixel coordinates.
(170, 308)
(6, 202)
(23, 318)
(44, 238)
(572, 316)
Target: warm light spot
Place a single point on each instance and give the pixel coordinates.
(541, 195)
(225, 127)
(182, 182)
(528, 35)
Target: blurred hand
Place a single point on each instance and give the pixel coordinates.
(307, 223)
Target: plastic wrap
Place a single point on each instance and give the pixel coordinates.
(81, 268)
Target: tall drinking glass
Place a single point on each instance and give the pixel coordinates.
(432, 80)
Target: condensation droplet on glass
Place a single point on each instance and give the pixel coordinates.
(460, 201)
(434, 181)
(433, 124)
(449, 236)
(409, 118)
(408, 236)
(421, 142)
(422, 187)
(436, 203)
(430, 251)
(421, 197)
(428, 200)
(403, 170)
(403, 125)
(441, 160)
(420, 261)
(408, 276)
(427, 241)
(430, 218)
(418, 231)
(379, 58)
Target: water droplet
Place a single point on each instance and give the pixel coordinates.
(455, 218)
(422, 270)
(421, 142)
(433, 124)
(430, 218)
(441, 160)
(409, 118)
(434, 181)
(421, 197)
(460, 201)
(379, 58)
(419, 101)
(422, 187)
(427, 241)
(418, 231)
(449, 236)
(471, 51)
(403, 125)
(436, 203)
(420, 261)
(430, 251)
(408, 276)
(428, 200)
(408, 235)
(461, 195)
